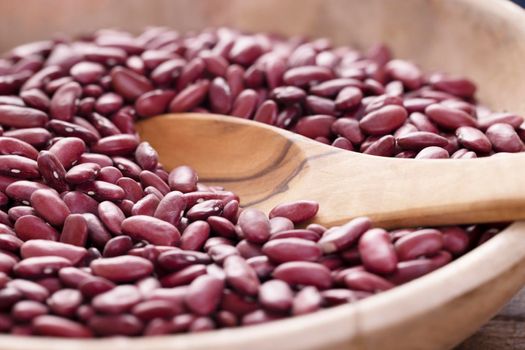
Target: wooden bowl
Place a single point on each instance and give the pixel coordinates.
(484, 40)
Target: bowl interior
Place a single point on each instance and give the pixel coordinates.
(483, 40)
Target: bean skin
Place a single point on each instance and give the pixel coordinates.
(204, 294)
(341, 238)
(151, 229)
(50, 206)
(292, 249)
(297, 211)
(419, 243)
(377, 252)
(254, 225)
(304, 273)
(122, 268)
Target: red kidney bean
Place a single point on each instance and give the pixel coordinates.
(64, 102)
(409, 270)
(449, 118)
(109, 174)
(68, 150)
(195, 235)
(248, 250)
(50, 206)
(240, 275)
(129, 84)
(424, 242)
(13, 146)
(30, 290)
(111, 325)
(473, 139)
(56, 326)
(65, 302)
(117, 300)
(111, 215)
(455, 239)
(10, 242)
(314, 126)
(278, 224)
(418, 140)
(67, 129)
(21, 117)
(190, 97)
(341, 238)
(301, 76)
(320, 105)
(79, 202)
(102, 190)
(176, 259)
(276, 296)
(32, 227)
(297, 211)
(183, 277)
(432, 152)
(122, 268)
(145, 206)
(348, 128)
(87, 72)
(36, 137)
(303, 273)
(40, 266)
(457, 86)
(297, 233)
(18, 166)
(255, 225)
(377, 252)
(75, 230)
(406, 72)
(100, 159)
(116, 145)
(150, 229)
(147, 179)
(292, 249)
(117, 246)
(204, 294)
(205, 209)
(245, 104)
(22, 190)
(26, 310)
(506, 118)
(81, 173)
(307, 300)
(383, 120)
(221, 226)
(183, 179)
(132, 189)
(366, 281)
(41, 248)
(384, 147)
(504, 138)
(52, 171)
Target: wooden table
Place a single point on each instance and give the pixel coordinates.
(505, 331)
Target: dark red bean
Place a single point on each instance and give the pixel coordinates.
(455, 239)
(254, 225)
(40, 266)
(304, 273)
(32, 227)
(190, 97)
(111, 325)
(26, 310)
(81, 173)
(56, 326)
(276, 295)
(432, 152)
(449, 118)
(306, 301)
(68, 150)
(473, 139)
(41, 248)
(377, 252)
(424, 242)
(341, 238)
(21, 117)
(150, 229)
(301, 76)
(504, 138)
(195, 235)
(122, 268)
(241, 276)
(204, 294)
(366, 281)
(315, 126)
(129, 84)
(50, 206)
(64, 102)
(183, 179)
(297, 211)
(292, 249)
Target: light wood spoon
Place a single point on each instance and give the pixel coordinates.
(267, 166)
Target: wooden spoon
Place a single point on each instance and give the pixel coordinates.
(267, 166)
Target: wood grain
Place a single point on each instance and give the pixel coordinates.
(267, 166)
(480, 39)
(506, 331)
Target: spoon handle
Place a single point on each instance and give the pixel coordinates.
(407, 192)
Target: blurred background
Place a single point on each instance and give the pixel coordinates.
(520, 2)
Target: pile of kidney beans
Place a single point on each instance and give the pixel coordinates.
(98, 239)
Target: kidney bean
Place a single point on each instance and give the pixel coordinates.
(418, 140)
(102, 190)
(41, 248)
(341, 238)
(303, 273)
(455, 239)
(190, 97)
(129, 84)
(314, 126)
(205, 209)
(432, 152)
(109, 174)
(176, 259)
(297, 211)
(21, 117)
(457, 86)
(276, 296)
(409, 270)
(122, 268)
(81, 173)
(419, 243)
(377, 252)
(56, 326)
(64, 102)
(204, 294)
(504, 138)
(26, 310)
(240, 275)
(255, 225)
(117, 300)
(79, 202)
(10, 242)
(65, 302)
(32, 227)
(36, 137)
(68, 150)
(473, 139)
(111, 215)
(384, 146)
(449, 118)
(111, 325)
(278, 224)
(145, 206)
(183, 179)
(301, 76)
(50, 206)
(117, 246)
(40, 266)
(506, 118)
(292, 249)
(75, 230)
(100, 159)
(150, 229)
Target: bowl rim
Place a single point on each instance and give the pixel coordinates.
(369, 315)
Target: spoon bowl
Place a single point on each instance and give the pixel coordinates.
(267, 166)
